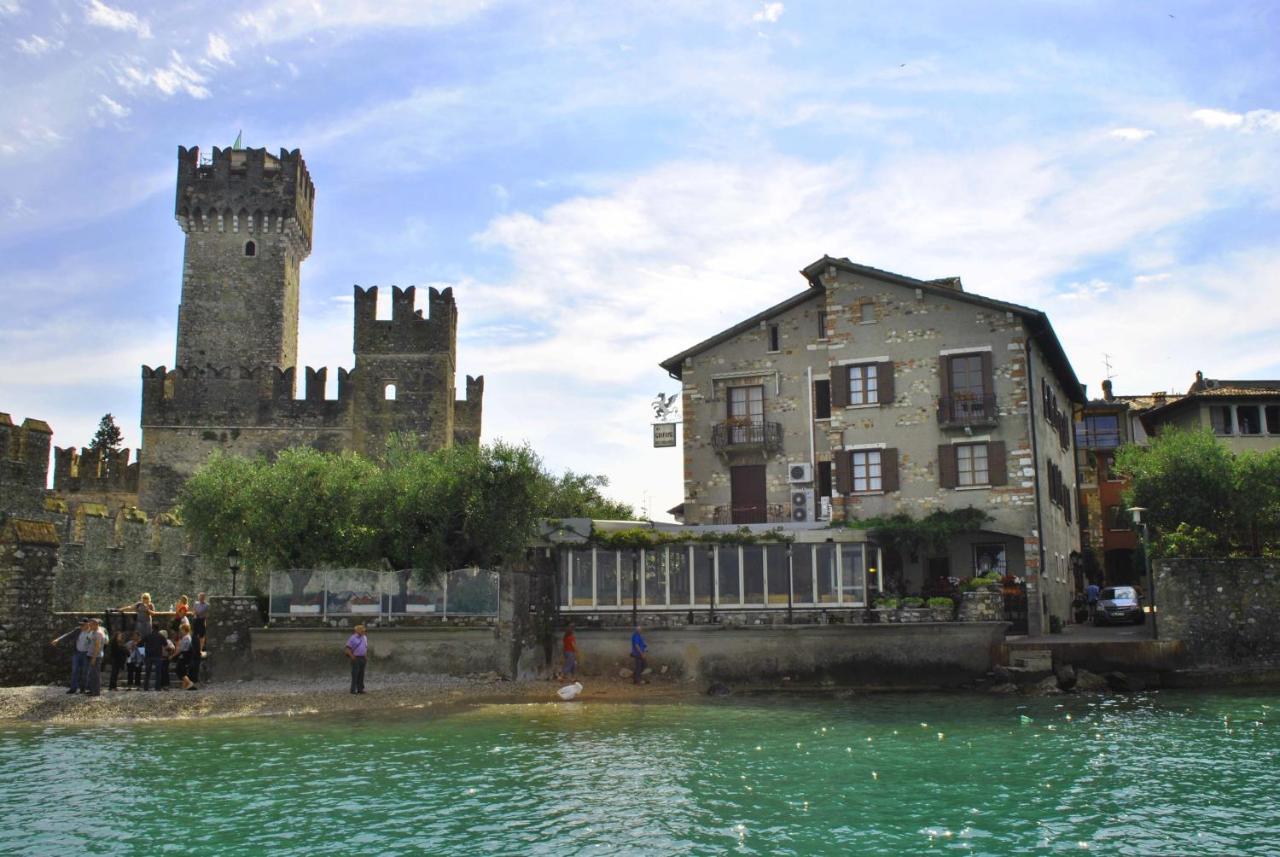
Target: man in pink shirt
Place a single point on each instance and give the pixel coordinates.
(358, 652)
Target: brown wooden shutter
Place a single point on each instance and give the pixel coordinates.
(839, 386)
(844, 470)
(884, 383)
(889, 469)
(948, 476)
(944, 377)
(997, 465)
(988, 380)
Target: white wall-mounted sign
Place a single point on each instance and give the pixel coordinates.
(664, 434)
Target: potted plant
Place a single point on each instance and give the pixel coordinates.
(941, 608)
(886, 609)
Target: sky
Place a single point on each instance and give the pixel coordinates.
(606, 184)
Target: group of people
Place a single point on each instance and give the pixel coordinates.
(639, 655)
(146, 654)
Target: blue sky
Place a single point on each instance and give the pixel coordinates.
(605, 184)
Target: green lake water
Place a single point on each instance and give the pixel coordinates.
(1159, 773)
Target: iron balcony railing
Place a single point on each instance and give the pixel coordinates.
(752, 435)
(773, 513)
(966, 410)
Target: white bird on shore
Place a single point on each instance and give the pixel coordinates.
(569, 691)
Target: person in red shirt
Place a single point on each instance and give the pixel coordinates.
(570, 652)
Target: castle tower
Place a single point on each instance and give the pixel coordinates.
(403, 377)
(247, 217)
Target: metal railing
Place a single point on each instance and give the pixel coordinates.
(774, 513)
(966, 410)
(746, 435)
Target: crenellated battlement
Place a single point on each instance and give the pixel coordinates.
(245, 190)
(246, 395)
(407, 331)
(468, 412)
(89, 471)
(24, 464)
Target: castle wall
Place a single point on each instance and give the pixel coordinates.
(24, 466)
(467, 413)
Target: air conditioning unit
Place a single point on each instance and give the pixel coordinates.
(799, 471)
(802, 505)
(824, 508)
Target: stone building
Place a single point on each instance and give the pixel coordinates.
(871, 393)
(1245, 415)
(247, 216)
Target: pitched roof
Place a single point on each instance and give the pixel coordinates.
(949, 287)
(1213, 388)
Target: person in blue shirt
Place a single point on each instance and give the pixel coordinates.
(638, 649)
(1091, 598)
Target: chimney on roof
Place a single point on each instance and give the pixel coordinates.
(1107, 395)
(952, 283)
(1199, 384)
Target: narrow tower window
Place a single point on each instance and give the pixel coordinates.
(389, 392)
(250, 249)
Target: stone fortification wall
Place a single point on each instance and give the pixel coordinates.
(24, 466)
(107, 560)
(1223, 610)
(299, 653)
(28, 553)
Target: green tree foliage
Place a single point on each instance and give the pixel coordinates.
(1201, 498)
(108, 437)
(579, 495)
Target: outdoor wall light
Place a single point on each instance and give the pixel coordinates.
(233, 565)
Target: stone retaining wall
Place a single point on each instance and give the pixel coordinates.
(28, 554)
(1223, 610)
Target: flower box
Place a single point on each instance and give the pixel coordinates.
(313, 609)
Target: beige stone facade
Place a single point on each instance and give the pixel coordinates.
(888, 394)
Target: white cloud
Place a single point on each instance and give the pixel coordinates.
(285, 20)
(176, 76)
(1086, 291)
(101, 15)
(10, 7)
(1147, 279)
(1218, 118)
(218, 50)
(1131, 135)
(1254, 120)
(37, 45)
(769, 14)
(108, 106)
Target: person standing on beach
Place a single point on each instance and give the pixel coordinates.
(570, 653)
(153, 645)
(638, 649)
(200, 613)
(93, 664)
(80, 636)
(144, 610)
(358, 652)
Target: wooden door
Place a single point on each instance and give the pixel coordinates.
(747, 494)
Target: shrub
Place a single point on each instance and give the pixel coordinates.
(912, 601)
(887, 603)
(940, 602)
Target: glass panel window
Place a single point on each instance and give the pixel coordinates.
(966, 376)
(1220, 419)
(866, 471)
(581, 571)
(802, 573)
(775, 341)
(828, 576)
(679, 560)
(655, 577)
(778, 573)
(822, 399)
(746, 408)
(629, 576)
(703, 557)
(852, 584)
(607, 578)
(753, 574)
(863, 385)
(971, 464)
(1249, 418)
(822, 324)
(1273, 418)
(728, 593)
(988, 559)
(1098, 431)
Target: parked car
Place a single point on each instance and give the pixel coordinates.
(1119, 604)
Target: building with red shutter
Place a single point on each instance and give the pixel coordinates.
(871, 394)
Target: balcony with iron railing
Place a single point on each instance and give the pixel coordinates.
(745, 435)
(771, 513)
(963, 410)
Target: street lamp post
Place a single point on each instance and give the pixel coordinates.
(1137, 512)
(233, 565)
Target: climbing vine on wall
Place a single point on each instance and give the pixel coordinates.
(910, 535)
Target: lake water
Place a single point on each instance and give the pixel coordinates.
(1161, 773)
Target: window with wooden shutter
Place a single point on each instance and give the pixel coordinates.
(997, 464)
(884, 371)
(839, 386)
(821, 400)
(844, 474)
(889, 469)
(865, 465)
(947, 466)
(864, 384)
(972, 466)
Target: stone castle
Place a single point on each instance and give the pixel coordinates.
(247, 217)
